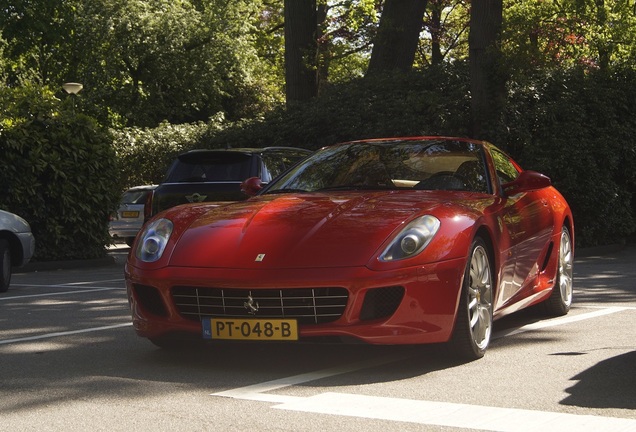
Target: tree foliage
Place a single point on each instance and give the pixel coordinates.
(169, 75)
(445, 35)
(561, 34)
(142, 62)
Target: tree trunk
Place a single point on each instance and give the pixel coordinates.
(300, 50)
(436, 33)
(398, 35)
(323, 48)
(487, 82)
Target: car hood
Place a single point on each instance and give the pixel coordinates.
(298, 231)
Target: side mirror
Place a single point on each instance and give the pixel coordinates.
(251, 186)
(526, 182)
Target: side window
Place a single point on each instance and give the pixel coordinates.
(506, 171)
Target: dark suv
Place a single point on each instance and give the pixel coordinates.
(216, 175)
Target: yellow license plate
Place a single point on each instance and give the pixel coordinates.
(130, 214)
(250, 329)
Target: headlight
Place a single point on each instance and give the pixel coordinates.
(412, 239)
(153, 240)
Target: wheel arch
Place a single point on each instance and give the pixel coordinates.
(487, 237)
(15, 247)
(569, 224)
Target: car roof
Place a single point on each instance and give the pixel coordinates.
(245, 150)
(141, 188)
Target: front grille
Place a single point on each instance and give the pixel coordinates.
(307, 305)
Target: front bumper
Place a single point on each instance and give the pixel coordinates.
(425, 314)
(28, 247)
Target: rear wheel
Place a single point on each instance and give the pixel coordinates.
(560, 300)
(5, 266)
(473, 325)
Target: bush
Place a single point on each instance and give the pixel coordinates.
(579, 129)
(434, 101)
(56, 172)
(576, 127)
(144, 154)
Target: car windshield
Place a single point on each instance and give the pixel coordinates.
(391, 164)
(134, 197)
(210, 167)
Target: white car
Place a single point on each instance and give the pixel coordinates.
(17, 245)
(129, 218)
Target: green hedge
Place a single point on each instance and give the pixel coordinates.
(64, 173)
(56, 171)
(144, 154)
(576, 126)
(579, 128)
(436, 101)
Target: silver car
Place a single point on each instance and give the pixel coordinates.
(17, 245)
(129, 218)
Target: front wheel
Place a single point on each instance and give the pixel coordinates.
(5, 266)
(560, 300)
(473, 324)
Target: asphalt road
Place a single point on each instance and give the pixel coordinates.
(70, 361)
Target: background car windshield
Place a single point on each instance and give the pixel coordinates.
(221, 167)
(435, 165)
(134, 197)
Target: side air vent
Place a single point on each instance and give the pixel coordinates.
(150, 299)
(381, 302)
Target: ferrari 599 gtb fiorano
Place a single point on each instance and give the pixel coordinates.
(388, 241)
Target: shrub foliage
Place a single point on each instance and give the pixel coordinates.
(144, 154)
(580, 130)
(64, 173)
(56, 171)
(576, 126)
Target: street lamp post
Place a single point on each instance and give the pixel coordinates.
(73, 89)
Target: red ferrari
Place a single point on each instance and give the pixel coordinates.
(386, 241)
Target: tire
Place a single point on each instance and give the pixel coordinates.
(5, 266)
(473, 324)
(560, 301)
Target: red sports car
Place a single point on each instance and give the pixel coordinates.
(387, 241)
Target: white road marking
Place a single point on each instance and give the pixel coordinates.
(73, 285)
(429, 412)
(66, 333)
(51, 294)
(93, 282)
(454, 415)
(558, 321)
(255, 392)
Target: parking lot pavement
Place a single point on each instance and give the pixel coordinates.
(71, 361)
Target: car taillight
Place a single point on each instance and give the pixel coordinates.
(148, 206)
